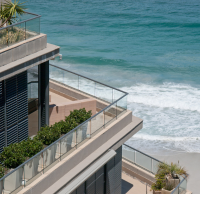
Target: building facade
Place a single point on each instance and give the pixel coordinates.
(31, 96)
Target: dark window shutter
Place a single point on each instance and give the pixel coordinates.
(23, 130)
(12, 136)
(11, 100)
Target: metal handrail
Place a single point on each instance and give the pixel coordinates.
(36, 16)
(89, 79)
(143, 153)
(178, 185)
(43, 150)
(184, 177)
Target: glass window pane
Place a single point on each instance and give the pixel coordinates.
(68, 143)
(110, 114)
(32, 28)
(155, 166)
(86, 86)
(50, 155)
(33, 168)
(14, 181)
(3, 38)
(16, 34)
(143, 160)
(32, 100)
(128, 153)
(70, 79)
(121, 105)
(104, 92)
(81, 133)
(97, 122)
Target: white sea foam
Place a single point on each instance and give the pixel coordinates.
(168, 111)
(167, 95)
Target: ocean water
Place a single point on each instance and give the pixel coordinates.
(149, 48)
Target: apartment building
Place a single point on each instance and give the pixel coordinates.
(34, 93)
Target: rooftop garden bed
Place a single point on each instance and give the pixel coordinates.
(17, 153)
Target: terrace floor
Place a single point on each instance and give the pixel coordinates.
(131, 185)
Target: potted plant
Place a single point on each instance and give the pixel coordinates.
(11, 157)
(168, 175)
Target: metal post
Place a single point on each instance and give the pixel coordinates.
(78, 82)
(104, 118)
(95, 89)
(116, 110)
(24, 177)
(90, 128)
(60, 149)
(25, 32)
(112, 96)
(76, 138)
(146, 188)
(43, 162)
(151, 165)
(135, 157)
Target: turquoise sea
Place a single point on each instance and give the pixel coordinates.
(149, 48)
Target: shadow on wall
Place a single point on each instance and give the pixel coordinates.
(126, 186)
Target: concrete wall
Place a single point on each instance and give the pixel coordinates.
(58, 113)
(22, 49)
(138, 172)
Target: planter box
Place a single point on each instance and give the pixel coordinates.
(157, 191)
(172, 181)
(13, 181)
(164, 191)
(31, 168)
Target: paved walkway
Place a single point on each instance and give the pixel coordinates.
(132, 185)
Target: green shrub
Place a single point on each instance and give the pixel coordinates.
(31, 147)
(12, 156)
(15, 154)
(47, 135)
(2, 171)
(79, 116)
(64, 127)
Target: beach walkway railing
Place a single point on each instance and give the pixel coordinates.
(150, 164)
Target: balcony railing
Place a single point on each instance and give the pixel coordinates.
(28, 27)
(115, 105)
(150, 164)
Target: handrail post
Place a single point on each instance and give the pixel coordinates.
(78, 84)
(104, 118)
(76, 138)
(42, 162)
(60, 149)
(90, 128)
(151, 165)
(135, 157)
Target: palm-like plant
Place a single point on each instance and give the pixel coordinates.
(10, 10)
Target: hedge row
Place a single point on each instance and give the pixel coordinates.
(15, 154)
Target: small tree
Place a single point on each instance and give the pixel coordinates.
(9, 11)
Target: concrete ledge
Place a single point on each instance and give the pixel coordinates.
(22, 49)
(29, 61)
(138, 172)
(66, 169)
